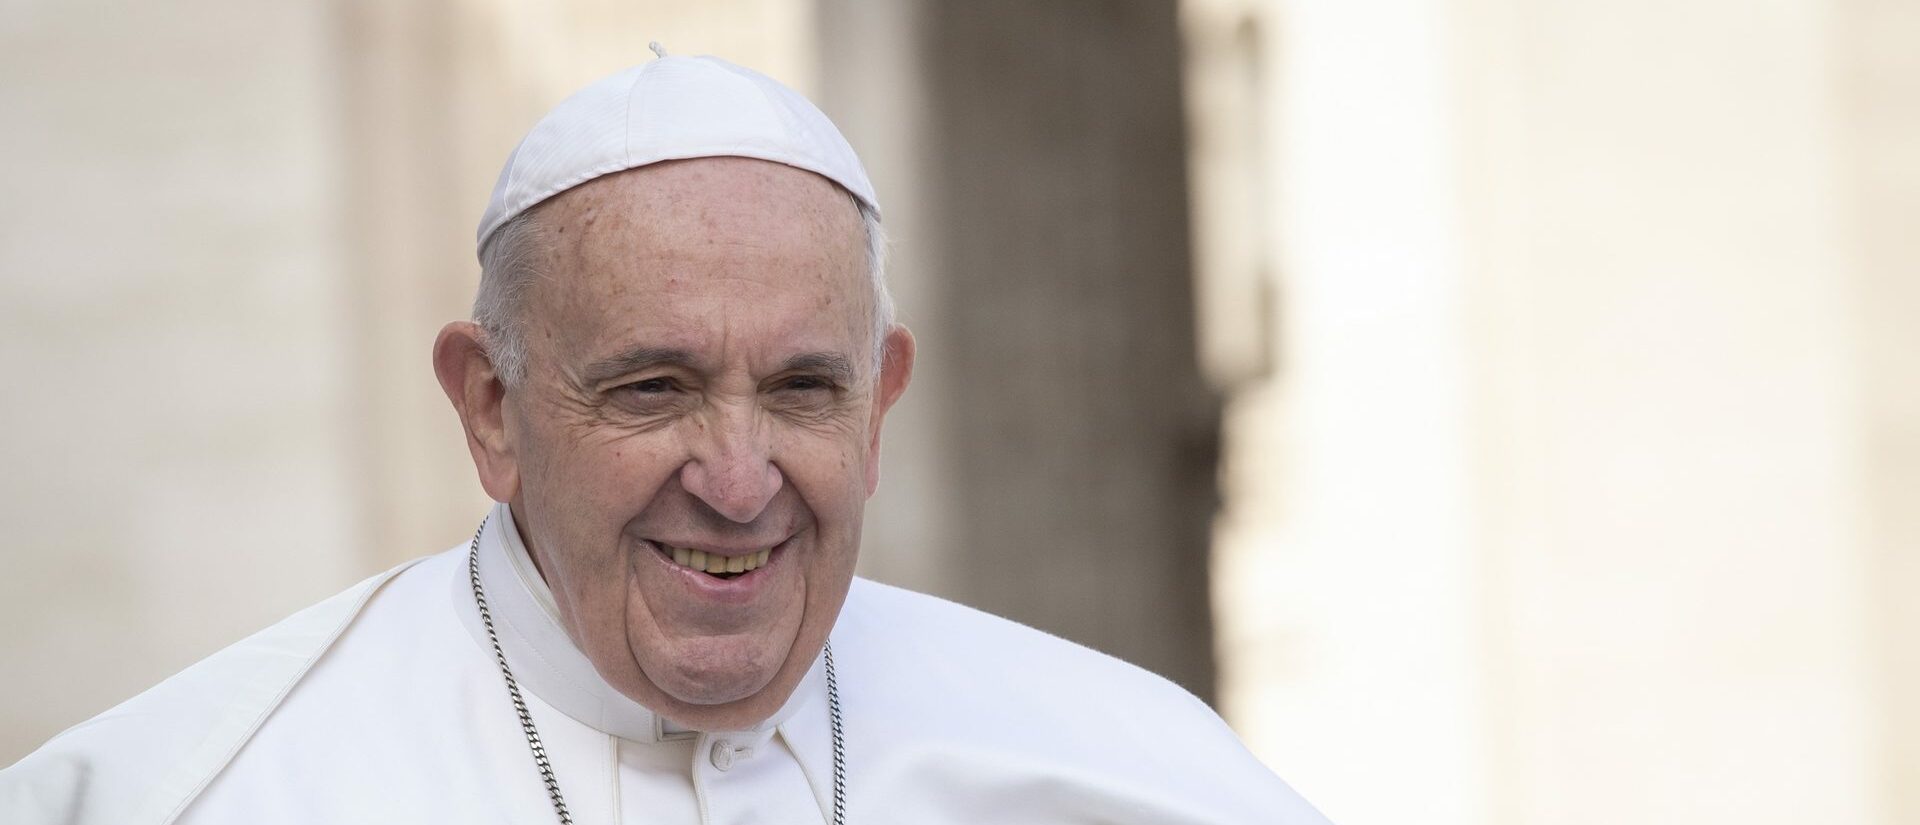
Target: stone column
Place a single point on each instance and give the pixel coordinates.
(171, 429)
(1070, 477)
(1878, 74)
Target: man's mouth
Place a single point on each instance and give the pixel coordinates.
(714, 564)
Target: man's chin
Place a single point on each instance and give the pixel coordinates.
(719, 698)
(715, 691)
(709, 713)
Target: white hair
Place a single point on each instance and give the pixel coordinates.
(510, 261)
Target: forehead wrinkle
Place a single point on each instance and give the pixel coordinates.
(645, 229)
(762, 205)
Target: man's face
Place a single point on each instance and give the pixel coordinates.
(699, 381)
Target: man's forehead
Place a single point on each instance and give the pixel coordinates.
(709, 225)
(703, 193)
(702, 261)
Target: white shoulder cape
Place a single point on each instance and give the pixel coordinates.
(951, 716)
(145, 760)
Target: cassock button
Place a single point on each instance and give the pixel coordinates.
(725, 752)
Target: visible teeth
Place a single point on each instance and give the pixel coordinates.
(716, 563)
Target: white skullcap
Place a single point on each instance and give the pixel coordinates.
(669, 109)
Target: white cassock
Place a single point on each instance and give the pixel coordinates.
(384, 704)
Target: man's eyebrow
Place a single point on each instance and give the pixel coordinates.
(831, 364)
(635, 359)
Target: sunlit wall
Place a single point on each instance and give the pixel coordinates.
(1581, 487)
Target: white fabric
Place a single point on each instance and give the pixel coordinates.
(380, 705)
(669, 109)
(147, 758)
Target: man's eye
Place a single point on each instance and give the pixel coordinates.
(650, 386)
(807, 382)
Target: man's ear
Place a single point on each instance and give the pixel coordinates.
(896, 371)
(478, 395)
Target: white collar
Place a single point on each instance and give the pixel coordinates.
(545, 660)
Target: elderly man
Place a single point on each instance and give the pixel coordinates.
(682, 355)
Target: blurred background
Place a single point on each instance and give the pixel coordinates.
(1503, 411)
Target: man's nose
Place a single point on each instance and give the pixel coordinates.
(732, 468)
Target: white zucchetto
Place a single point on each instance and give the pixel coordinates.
(671, 108)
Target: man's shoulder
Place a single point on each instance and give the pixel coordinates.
(144, 759)
(985, 664)
(949, 636)
(985, 708)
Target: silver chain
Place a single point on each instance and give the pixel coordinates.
(839, 743)
(540, 751)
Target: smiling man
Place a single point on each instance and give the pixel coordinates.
(674, 386)
(688, 439)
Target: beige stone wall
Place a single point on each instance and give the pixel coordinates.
(175, 459)
(1670, 493)
(1583, 488)
(1877, 78)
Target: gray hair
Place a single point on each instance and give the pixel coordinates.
(510, 261)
